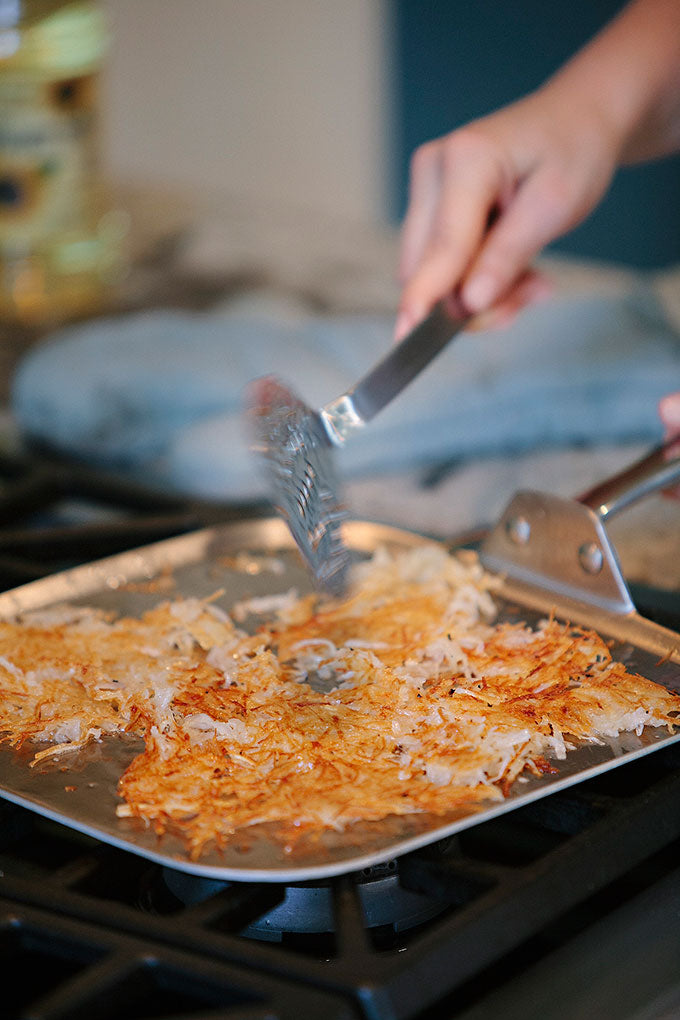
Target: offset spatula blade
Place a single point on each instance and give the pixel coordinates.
(299, 457)
(297, 442)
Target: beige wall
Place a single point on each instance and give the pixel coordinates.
(276, 99)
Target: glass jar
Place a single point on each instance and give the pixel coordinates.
(60, 245)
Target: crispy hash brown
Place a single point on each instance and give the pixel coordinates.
(431, 706)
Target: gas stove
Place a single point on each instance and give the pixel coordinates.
(568, 907)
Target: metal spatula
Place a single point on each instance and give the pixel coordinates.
(297, 442)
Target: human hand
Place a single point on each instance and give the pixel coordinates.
(669, 412)
(485, 199)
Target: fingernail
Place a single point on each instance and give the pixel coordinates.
(479, 292)
(403, 325)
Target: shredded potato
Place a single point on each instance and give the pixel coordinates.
(428, 704)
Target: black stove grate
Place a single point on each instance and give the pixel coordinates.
(536, 905)
(56, 513)
(88, 919)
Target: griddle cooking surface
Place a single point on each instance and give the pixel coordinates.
(84, 797)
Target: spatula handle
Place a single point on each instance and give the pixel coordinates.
(408, 358)
(395, 371)
(658, 469)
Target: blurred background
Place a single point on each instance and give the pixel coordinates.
(287, 102)
(318, 105)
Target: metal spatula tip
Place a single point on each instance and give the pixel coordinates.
(297, 442)
(298, 456)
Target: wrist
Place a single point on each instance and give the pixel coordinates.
(627, 79)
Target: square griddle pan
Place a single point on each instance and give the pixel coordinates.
(553, 555)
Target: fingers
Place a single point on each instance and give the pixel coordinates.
(456, 184)
(524, 168)
(669, 412)
(529, 288)
(526, 226)
(424, 186)
(548, 202)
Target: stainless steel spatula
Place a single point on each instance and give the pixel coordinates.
(297, 442)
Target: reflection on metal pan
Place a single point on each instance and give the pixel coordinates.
(239, 559)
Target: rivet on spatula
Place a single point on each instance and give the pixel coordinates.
(591, 557)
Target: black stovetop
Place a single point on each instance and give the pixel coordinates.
(566, 908)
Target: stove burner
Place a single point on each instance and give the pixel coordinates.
(307, 907)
